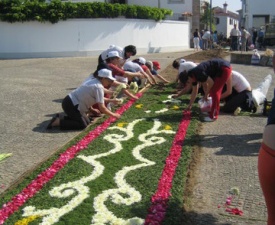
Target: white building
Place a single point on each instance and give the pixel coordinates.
(225, 19)
(257, 13)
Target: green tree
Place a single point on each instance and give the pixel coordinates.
(206, 16)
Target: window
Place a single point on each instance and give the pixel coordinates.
(230, 21)
(176, 1)
(217, 21)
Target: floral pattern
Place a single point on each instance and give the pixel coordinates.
(79, 191)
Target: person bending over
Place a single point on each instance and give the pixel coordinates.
(78, 102)
(212, 75)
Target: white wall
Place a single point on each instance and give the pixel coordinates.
(259, 7)
(89, 37)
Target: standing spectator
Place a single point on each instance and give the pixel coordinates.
(196, 40)
(254, 36)
(266, 164)
(201, 34)
(212, 74)
(261, 38)
(244, 37)
(206, 39)
(215, 37)
(234, 35)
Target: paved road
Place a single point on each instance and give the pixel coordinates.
(31, 93)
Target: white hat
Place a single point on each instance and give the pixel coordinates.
(106, 74)
(142, 60)
(113, 54)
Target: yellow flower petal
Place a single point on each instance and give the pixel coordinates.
(122, 124)
(26, 220)
(167, 127)
(139, 106)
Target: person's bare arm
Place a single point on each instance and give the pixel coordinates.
(133, 74)
(106, 111)
(207, 85)
(185, 90)
(151, 76)
(195, 89)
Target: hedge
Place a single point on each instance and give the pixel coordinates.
(56, 10)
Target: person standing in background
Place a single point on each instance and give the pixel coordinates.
(206, 39)
(266, 162)
(244, 37)
(254, 36)
(234, 35)
(196, 40)
(261, 38)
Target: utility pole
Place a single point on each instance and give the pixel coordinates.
(210, 16)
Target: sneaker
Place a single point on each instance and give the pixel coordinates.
(237, 111)
(208, 119)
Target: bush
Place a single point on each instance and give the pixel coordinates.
(38, 10)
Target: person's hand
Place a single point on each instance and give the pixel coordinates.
(116, 115)
(94, 112)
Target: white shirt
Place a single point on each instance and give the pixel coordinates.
(112, 48)
(239, 82)
(87, 95)
(206, 35)
(234, 32)
(131, 66)
(186, 66)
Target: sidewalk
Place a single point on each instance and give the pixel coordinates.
(31, 93)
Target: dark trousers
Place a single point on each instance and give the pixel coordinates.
(271, 115)
(73, 119)
(234, 101)
(234, 43)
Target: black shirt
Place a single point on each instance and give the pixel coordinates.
(211, 68)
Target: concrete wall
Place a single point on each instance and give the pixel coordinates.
(89, 37)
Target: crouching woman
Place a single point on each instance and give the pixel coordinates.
(212, 75)
(78, 102)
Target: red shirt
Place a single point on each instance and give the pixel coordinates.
(116, 70)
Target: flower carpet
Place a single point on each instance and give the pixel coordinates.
(127, 171)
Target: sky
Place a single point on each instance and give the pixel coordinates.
(233, 5)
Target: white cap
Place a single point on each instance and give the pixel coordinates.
(182, 60)
(150, 63)
(106, 74)
(142, 60)
(113, 54)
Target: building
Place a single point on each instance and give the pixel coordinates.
(225, 19)
(257, 13)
